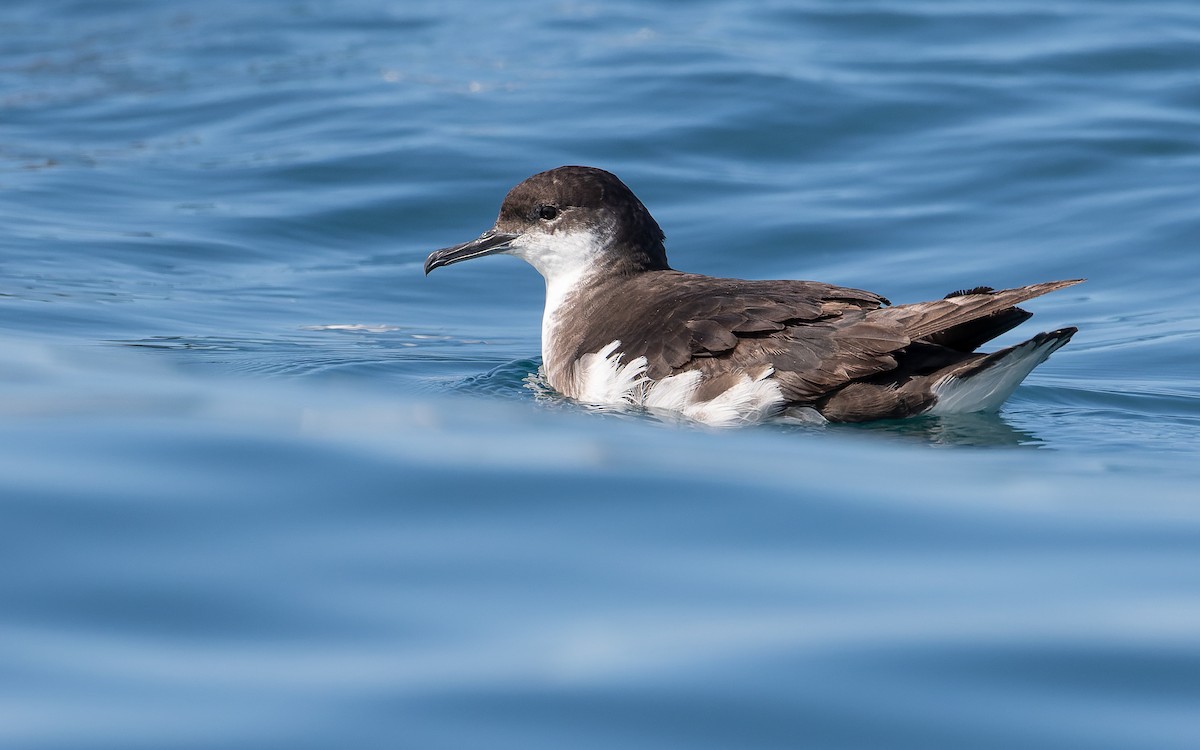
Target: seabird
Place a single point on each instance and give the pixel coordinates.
(621, 326)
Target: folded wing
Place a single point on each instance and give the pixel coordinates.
(817, 337)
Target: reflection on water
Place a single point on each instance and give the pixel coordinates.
(976, 430)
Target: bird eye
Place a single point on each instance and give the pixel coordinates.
(547, 212)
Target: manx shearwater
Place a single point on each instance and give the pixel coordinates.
(621, 326)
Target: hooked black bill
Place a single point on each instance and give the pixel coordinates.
(488, 243)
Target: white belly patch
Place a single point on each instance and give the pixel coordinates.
(603, 379)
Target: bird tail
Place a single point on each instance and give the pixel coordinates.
(984, 384)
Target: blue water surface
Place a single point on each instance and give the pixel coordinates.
(263, 485)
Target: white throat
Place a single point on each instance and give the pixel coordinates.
(566, 260)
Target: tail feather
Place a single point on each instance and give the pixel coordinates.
(986, 383)
(921, 320)
(969, 336)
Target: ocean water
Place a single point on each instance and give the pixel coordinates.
(264, 485)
